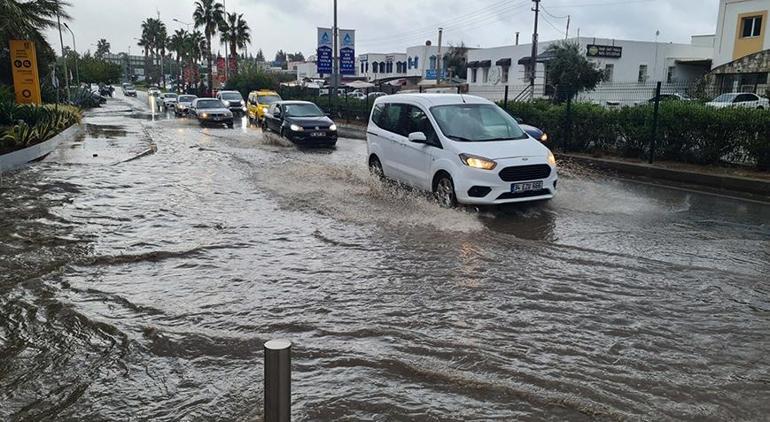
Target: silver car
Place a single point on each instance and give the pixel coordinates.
(183, 104)
(211, 111)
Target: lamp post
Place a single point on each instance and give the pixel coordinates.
(61, 42)
(75, 49)
(183, 23)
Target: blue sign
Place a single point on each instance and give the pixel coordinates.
(347, 52)
(430, 74)
(325, 60)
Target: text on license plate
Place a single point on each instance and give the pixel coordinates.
(526, 187)
(317, 134)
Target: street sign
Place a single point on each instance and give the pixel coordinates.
(430, 74)
(347, 52)
(26, 81)
(324, 52)
(608, 51)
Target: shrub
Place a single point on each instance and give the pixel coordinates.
(32, 124)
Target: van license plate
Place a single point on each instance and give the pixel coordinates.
(317, 134)
(526, 187)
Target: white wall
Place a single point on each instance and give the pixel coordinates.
(371, 58)
(727, 27)
(307, 70)
(423, 53)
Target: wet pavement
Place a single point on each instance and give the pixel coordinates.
(143, 266)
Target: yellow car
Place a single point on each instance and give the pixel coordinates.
(259, 102)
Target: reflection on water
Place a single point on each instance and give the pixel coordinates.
(144, 291)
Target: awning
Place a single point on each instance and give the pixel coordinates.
(503, 62)
(473, 65)
(485, 63)
(541, 58)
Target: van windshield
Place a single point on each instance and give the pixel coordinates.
(268, 99)
(476, 123)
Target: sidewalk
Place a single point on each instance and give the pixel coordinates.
(723, 179)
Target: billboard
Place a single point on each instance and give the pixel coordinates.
(324, 52)
(608, 51)
(347, 52)
(26, 81)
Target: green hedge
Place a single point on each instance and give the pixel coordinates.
(687, 131)
(23, 125)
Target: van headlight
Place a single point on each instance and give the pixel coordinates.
(296, 128)
(551, 159)
(477, 162)
(544, 137)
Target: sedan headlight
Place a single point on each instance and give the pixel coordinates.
(296, 128)
(333, 128)
(478, 162)
(243, 103)
(205, 115)
(228, 114)
(551, 159)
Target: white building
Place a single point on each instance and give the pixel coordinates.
(377, 66)
(421, 61)
(637, 62)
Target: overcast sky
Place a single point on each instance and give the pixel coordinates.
(393, 25)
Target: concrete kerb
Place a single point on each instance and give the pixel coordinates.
(22, 157)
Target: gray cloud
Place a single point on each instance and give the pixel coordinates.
(395, 24)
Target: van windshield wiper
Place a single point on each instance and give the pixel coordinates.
(460, 138)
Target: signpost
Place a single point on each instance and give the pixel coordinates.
(348, 52)
(26, 80)
(324, 51)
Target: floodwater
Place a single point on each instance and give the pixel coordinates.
(143, 267)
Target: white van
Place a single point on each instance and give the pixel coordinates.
(464, 149)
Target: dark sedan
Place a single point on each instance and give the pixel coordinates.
(301, 122)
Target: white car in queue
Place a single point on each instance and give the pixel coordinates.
(464, 149)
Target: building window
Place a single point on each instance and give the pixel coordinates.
(389, 67)
(609, 70)
(432, 62)
(375, 67)
(485, 75)
(752, 26)
(474, 75)
(670, 74)
(416, 62)
(363, 69)
(504, 74)
(642, 73)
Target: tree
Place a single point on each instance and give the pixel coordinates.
(456, 60)
(569, 71)
(28, 20)
(260, 56)
(208, 15)
(296, 57)
(280, 58)
(235, 32)
(102, 48)
(98, 70)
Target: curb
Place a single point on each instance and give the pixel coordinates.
(352, 132)
(721, 182)
(22, 157)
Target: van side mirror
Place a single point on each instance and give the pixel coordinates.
(519, 120)
(417, 138)
(277, 114)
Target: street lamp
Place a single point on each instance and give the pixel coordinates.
(75, 49)
(183, 23)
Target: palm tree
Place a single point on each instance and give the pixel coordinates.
(28, 20)
(176, 44)
(236, 32)
(209, 15)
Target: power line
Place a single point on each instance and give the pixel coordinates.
(552, 15)
(613, 3)
(553, 26)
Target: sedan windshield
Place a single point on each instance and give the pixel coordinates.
(186, 98)
(129, 87)
(210, 104)
(232, 96)
(476, 123)
(268, 99)
(170, 96)
(303, 110)
(725, 98)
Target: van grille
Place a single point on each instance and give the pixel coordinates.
(524, 173)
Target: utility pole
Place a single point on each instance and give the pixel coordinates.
(227, 46)
(566, 35)
(61, 41)
(438, 57)
(75, 49)
(533, 57)
(336, 67)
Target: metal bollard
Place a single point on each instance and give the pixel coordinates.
(278, 381)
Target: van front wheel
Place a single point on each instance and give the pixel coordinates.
(444, 191)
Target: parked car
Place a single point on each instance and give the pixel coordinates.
(356, 94)
(106, 90)
(233, 100)
(670, 97)
(373, 95)
(301, 122)
(463, 148)
(259, 103)
(739, 99)
(153, 91)
(183, 104)
(169, 100)
(129, 90)
(211, 111)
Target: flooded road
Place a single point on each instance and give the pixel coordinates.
(143, 289)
